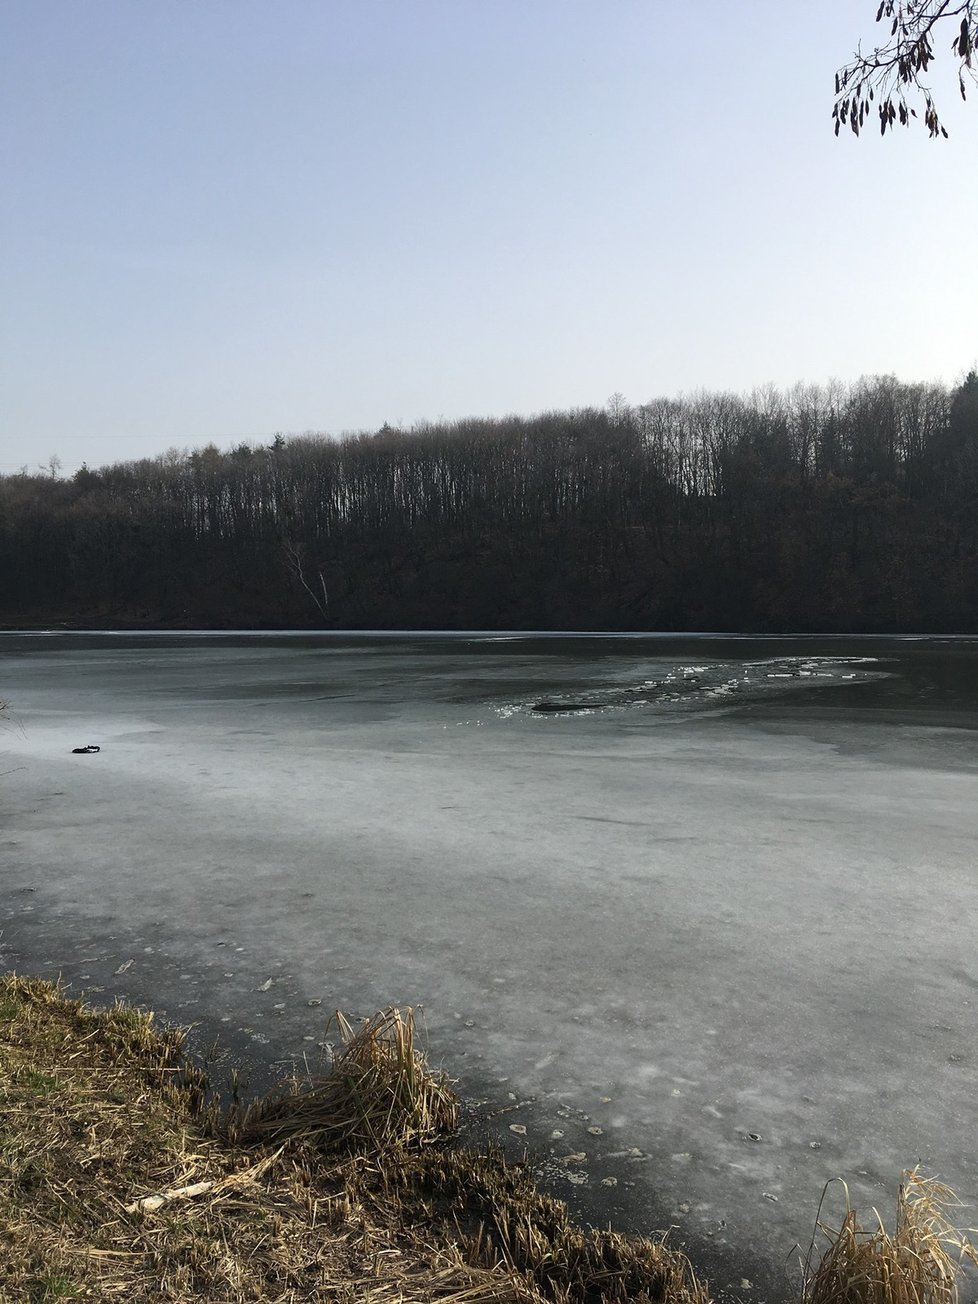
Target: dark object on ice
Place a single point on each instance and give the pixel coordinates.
(85, 751)
(556, 708)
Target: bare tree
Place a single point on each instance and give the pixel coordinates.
(896, 70)
(293, 554)
(51, 467)
(618, 409)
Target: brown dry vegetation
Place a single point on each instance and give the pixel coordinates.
(117, 1183)
(917, 1264)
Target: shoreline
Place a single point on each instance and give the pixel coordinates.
(131, 625)
(354, 1183)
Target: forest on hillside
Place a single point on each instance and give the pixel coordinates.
(822, 508)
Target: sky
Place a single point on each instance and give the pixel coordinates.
(221, 219)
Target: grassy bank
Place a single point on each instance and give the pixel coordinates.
(121, 1180)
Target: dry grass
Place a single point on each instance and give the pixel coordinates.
(116, 1185)
(917, 1264)
(379, 1093)
(499, 1217)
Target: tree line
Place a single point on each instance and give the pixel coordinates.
(823, 508)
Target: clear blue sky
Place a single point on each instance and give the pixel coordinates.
(224, 218)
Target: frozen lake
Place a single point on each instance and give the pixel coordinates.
(697, 913)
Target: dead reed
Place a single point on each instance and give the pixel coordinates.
(917, 1264)
(378, 1094)
(499, 1219)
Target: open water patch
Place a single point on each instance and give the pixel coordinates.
(692, 686)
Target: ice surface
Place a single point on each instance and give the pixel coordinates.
(718, 941)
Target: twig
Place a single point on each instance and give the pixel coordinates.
(151, 1203)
